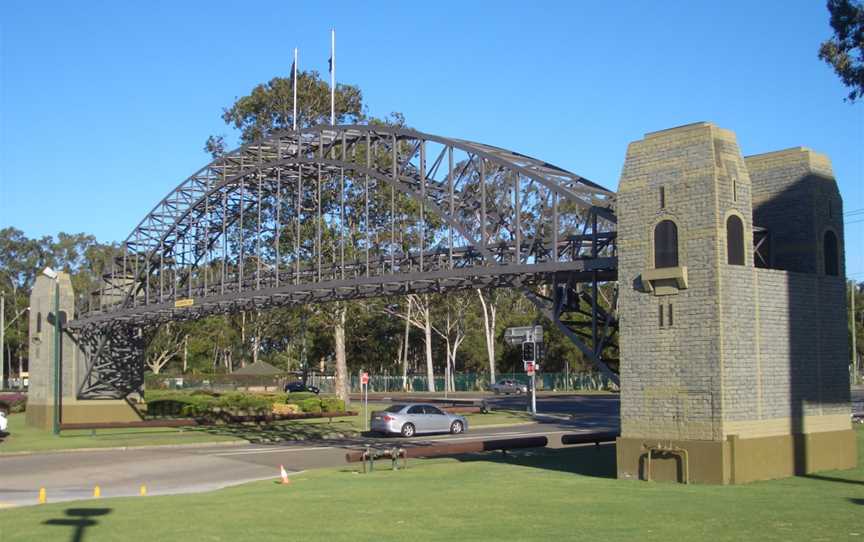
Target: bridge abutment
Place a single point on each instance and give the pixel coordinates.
(41, 394)
(730, 372)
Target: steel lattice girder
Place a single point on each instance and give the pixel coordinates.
(241, 228)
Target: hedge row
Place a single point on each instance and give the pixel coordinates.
(205, 405)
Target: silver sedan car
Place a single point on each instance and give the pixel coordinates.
(415, 418)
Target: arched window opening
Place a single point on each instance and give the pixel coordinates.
(665, 244)
(734, 240)
(832, 254)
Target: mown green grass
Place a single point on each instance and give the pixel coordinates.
(549, 495)
(24, 438)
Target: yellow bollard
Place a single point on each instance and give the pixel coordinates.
(97, 492)
(43, 498)
(143, 491)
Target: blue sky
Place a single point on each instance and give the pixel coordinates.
(105, 106)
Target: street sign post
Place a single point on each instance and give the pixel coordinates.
(364, 385)
(517, 335)
(531, 339)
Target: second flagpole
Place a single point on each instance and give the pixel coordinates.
(332, 77)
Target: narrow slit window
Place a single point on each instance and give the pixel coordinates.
(734, 240)
(662, 197)
(734, 190)
(666, 244)
(38, 322)
(671, 319)
(831, 253)
(660, 315)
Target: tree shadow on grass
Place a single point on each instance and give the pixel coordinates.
(834, 479)
(582, 421)
(853, 500)
(109, 433)
(338, 433)
(595, 461)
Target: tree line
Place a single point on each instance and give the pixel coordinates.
(453, 332)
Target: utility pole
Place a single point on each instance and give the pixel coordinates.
(57, 391)
(3, 341)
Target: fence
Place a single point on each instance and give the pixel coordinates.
(471, 382)
(215, 382)
(379, 383)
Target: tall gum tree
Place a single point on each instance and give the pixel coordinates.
(269, 108)
(488, 302)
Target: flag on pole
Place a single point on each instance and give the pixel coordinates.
(332, 63)
(294, 84)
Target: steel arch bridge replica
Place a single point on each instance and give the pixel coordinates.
(733, 358)
(349, 212)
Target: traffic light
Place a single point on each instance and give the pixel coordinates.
(529, 352)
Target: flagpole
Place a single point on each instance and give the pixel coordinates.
(332, 77)
(295, 89)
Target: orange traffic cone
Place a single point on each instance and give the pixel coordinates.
(284, 474)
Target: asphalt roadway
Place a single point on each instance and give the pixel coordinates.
(69, 476)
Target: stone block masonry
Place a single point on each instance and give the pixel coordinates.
(739, 371)
(41, 394)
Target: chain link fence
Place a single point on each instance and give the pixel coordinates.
(464, 382)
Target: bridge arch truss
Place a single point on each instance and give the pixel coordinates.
(347, 212)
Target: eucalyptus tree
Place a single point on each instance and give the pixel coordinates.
(845, 50)
(268, 108)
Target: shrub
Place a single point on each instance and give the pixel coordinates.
(239, 402)
(311, 405)
(211, 393)
(332, 404)
(167, 408)
(274, 397)
(212, 406)
(300, 396)
(155, 395)
(200, 406)
(13, 402)
(282, 408)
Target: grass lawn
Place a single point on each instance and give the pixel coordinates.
(550, 495)
(25, 438)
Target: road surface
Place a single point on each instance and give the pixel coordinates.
(73, 475)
